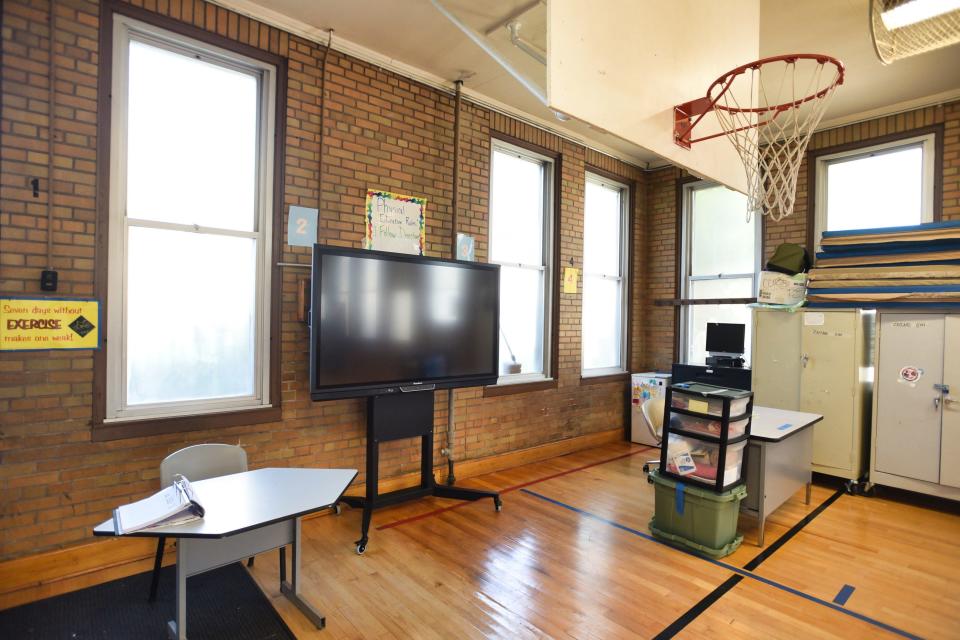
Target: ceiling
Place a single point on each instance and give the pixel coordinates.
(412, 36)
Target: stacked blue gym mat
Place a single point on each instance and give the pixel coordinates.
(895, 267)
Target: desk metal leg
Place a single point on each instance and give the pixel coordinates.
(292, 591)
(760, 522)
(806, 500)
(177, 628)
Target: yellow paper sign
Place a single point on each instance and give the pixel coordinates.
(570, 275)
(698, 405)
(49, 323)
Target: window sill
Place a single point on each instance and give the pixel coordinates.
(586, 379)
(509, 389)
(115, 430)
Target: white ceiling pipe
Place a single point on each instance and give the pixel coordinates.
(527, 47)
(482, 42)
(514, 15)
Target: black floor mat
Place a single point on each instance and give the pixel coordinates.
(224, 604)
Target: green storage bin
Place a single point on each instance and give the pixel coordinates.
(708, 523)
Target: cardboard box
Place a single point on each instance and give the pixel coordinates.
(779, 288)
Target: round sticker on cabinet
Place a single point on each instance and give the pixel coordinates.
(910, 374)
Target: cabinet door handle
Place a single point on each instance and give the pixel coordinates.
(949, 400)
(803, 360)
(936, 402)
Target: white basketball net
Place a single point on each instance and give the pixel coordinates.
(769, 113)
(910, 39)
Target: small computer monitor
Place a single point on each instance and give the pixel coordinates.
(725, 338)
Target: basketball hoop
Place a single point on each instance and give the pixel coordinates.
(768, 109)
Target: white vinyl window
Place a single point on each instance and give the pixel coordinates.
(604, 276)
(521, 202)
(720, 260)
(886, 185)
(191, 177)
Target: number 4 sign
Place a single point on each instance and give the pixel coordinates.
(302, 227)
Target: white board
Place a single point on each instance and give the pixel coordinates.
(622, 65)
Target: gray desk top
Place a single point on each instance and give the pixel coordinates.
(774, 425)
(244, 501)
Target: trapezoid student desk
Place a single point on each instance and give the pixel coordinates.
(779, 462)
(248, 513)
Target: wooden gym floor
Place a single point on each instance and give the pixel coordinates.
(570, 557)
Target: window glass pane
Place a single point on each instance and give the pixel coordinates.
(189, 337)
(726, 288)
(191, 141)
(721, 239)
(602, 320)
(521, 319)
(601, 230)
(701, 314)
(516, 210)
(883, 190)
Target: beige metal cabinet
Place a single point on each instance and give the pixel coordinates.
(819, 362)
(916, 432)
(775, 358)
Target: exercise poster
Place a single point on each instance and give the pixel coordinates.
(30, 324)
(395, 222)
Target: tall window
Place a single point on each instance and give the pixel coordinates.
(886, 185)
(604, 281)
(521, 188)
(721, 255)
(191, 195)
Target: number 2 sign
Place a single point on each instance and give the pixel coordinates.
(302, 227)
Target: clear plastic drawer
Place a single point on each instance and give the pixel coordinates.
(699, 460)
(711, 406)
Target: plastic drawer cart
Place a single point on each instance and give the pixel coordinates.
(705, 435)
(697, 519)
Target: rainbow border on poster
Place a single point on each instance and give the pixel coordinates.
(368, 215)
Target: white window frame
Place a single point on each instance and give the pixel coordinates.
(686, 260)
(926, 142)
(623, 278)
(547, 265)
(126, 29)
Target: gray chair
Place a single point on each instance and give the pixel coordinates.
(652, 410)
(198, 462)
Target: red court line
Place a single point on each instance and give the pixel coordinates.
(429, 514)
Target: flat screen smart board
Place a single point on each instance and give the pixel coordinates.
(385, 322)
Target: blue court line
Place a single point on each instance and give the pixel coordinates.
(843, 595)
(730, 567)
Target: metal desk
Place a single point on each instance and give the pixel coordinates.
(779, 460)
(248, 513)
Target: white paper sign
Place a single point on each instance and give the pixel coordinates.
(811, 319)
(395, 222)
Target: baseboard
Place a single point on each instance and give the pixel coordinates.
(51, 573)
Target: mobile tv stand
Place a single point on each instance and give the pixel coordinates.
(397, 416)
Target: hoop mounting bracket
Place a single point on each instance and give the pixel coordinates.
(683, 119)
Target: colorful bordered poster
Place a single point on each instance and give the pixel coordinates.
(27, 324)
(395, 222)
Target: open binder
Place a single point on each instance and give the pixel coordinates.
(177, 504)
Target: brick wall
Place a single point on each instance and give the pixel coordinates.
(380, 130)
(659, 331)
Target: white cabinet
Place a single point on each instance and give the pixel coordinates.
(819, 362)
(916, 430)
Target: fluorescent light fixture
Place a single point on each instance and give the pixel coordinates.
(914, 11)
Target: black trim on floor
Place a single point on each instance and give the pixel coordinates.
(693, 612)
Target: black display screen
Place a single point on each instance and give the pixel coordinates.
(724, 337)
(381, 319)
